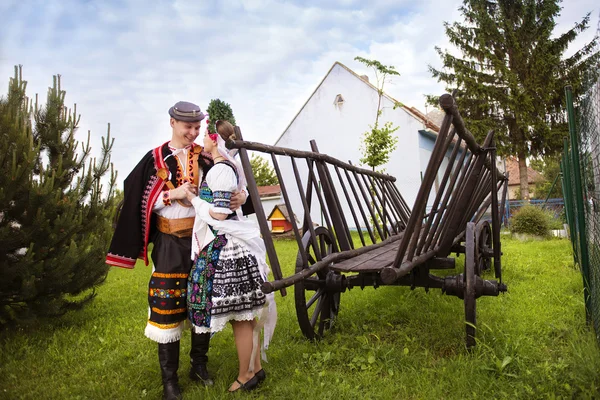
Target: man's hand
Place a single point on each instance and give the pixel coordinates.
(237, 199)
(185, 191)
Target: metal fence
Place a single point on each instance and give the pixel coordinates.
(553, 206)
(580, 167)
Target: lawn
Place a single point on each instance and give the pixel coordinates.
(388, 343)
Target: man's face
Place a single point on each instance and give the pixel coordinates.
(185, 133)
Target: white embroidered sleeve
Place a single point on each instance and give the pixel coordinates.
(222, 181)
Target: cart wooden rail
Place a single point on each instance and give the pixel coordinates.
(369, 235)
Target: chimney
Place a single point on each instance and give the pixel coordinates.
(364, 78)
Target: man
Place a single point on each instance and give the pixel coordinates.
(155, 210)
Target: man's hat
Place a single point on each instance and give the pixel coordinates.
(186, 112)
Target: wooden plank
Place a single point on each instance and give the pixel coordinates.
(372, 266)
(383, 249)
(388, 256)
(373, 260)
(353, 262)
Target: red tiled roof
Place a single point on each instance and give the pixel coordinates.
(512, 169)
(267, 191)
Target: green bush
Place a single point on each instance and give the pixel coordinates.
(531, 220)
(554, 222)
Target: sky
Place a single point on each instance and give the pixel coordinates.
(126, 62)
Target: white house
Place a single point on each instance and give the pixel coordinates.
(336, 115)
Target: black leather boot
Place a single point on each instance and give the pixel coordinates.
(199, 358)
(168, 357)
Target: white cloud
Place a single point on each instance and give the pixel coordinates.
(127, 62)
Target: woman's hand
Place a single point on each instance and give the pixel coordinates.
(189, 195)
(187, 191)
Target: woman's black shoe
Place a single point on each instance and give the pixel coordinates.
(251, 384)
(261, 375)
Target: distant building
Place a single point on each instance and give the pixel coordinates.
(280, 219)
(514, 182)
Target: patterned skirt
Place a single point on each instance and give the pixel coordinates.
(224, 285)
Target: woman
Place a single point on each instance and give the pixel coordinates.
(229, 264)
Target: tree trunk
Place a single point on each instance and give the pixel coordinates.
(523, 176)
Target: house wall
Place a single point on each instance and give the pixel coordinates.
(277, 224)
(513, 189)
(337, 130)
(285, 225)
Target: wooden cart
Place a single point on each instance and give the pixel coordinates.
(366, 235)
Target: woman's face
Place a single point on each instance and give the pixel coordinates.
(209, 144)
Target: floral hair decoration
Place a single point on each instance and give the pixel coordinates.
(212, 136)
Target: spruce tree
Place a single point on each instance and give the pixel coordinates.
(55, 213)
(512, 72)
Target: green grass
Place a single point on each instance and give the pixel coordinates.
(388, 343)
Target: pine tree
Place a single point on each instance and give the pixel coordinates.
(512, 74)
(55, 214)
(263, 173)
(218, 110)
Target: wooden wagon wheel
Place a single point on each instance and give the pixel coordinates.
(469, 284)
(316, 305)
(483, 239)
